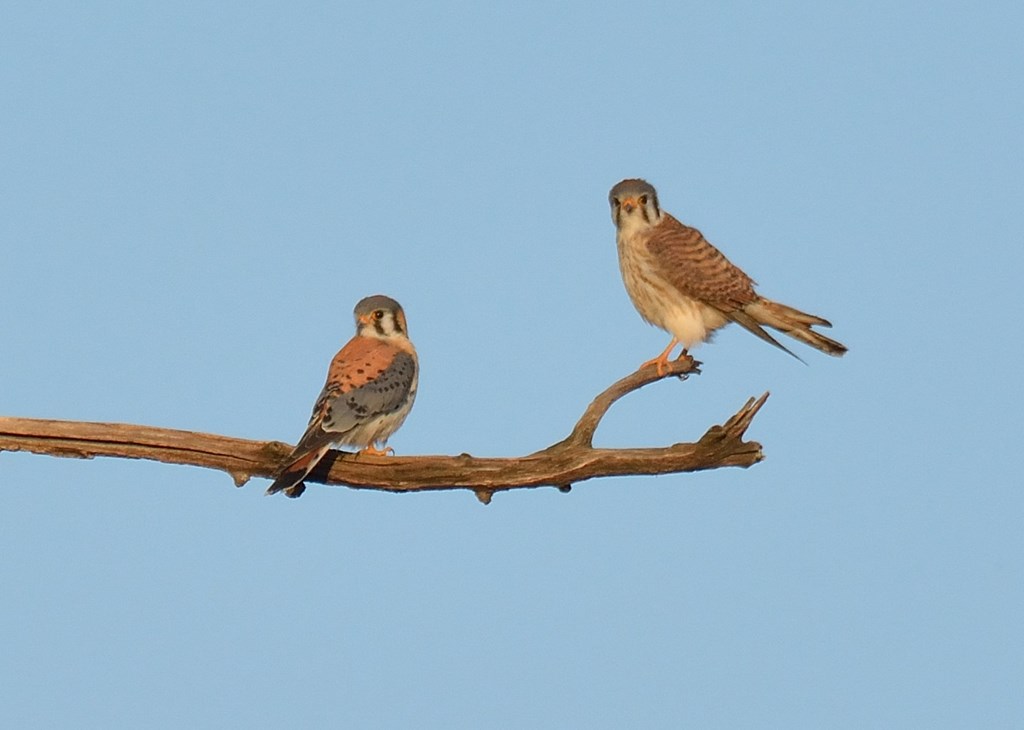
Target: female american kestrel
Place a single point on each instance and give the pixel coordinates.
(681, 283)
(370, 387)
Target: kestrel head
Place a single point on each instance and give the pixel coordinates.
(634, 205)
(381, 317)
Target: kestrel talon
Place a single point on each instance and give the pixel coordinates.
(684, 285)
(370, 387)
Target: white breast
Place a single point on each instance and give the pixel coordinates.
(658, 302)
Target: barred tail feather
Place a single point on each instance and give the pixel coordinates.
(743, 319)
(794, 323)
(290, 480)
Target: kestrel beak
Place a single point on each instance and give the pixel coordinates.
(364, 319)
(629, 205)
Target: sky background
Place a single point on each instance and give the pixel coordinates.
(193, 196)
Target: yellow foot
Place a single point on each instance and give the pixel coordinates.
(374, 451)
(661, 361)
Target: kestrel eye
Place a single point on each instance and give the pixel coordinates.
(643, 200)
(615, 202)
(378, 315)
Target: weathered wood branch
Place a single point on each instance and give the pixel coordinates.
(571, 460)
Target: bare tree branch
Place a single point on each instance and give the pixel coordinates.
(560, 465)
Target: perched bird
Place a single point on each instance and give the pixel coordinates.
(681, 283)
(370, 387)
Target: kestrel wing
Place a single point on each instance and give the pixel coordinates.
(697, 269)
(367, 378)
(371, 379)
(315, 437)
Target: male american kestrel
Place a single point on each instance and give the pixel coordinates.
(370, 387)
(681, 283)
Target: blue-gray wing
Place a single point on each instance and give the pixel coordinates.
(388, 392)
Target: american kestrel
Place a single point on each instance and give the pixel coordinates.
(681, 283)
(370, 387)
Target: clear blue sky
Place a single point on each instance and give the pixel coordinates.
(194, 195)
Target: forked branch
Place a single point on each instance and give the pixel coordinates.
(574, 459)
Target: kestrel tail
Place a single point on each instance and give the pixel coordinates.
(371, 385)
(684, 285)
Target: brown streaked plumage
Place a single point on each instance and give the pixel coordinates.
(678, 281)
(370, 388)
